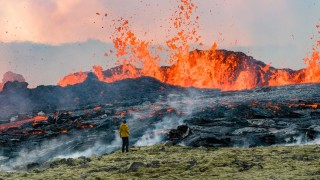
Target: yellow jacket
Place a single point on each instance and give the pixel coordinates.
(124, 130)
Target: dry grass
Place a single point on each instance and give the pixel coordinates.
(176, 162)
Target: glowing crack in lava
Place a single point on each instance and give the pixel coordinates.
(16, 124)
(211, 68)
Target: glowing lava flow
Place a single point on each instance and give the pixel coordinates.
(73, 79)
(17, 124)
(211, 68)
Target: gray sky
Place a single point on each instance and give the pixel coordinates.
(47, 39)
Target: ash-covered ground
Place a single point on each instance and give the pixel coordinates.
(257, 117)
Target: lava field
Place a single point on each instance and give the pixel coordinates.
(155, 113)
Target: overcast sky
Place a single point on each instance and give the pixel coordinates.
(47, 39)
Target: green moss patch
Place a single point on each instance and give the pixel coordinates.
(177, 162)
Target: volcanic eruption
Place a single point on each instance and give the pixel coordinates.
(211, 68)
(195, 96)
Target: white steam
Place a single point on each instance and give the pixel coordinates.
(56, 148)
(155, 136)
(98, 149)
(302, 140)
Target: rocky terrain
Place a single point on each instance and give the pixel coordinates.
(17, 98)
(257, 117)
(178, 162)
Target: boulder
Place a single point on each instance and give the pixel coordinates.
(135, 166)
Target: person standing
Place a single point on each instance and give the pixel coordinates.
(124, 132)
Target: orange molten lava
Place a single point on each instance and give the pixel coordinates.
(193, 68)
(83, 126)
(19, 123)
(97, 108)
(63, 131)
(73, 79)
(35, 132)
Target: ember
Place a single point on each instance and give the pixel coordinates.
(35, 132)
(84, 126)
(170, 110)
(63, 131)
(97, 108)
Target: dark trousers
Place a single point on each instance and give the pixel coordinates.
(125, 144)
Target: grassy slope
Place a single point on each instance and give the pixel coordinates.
(176, 162)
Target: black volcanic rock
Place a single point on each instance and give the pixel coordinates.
(15, 87)
(51, 98)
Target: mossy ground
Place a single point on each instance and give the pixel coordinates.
(177, 162)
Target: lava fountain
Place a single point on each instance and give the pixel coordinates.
(190, 67)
